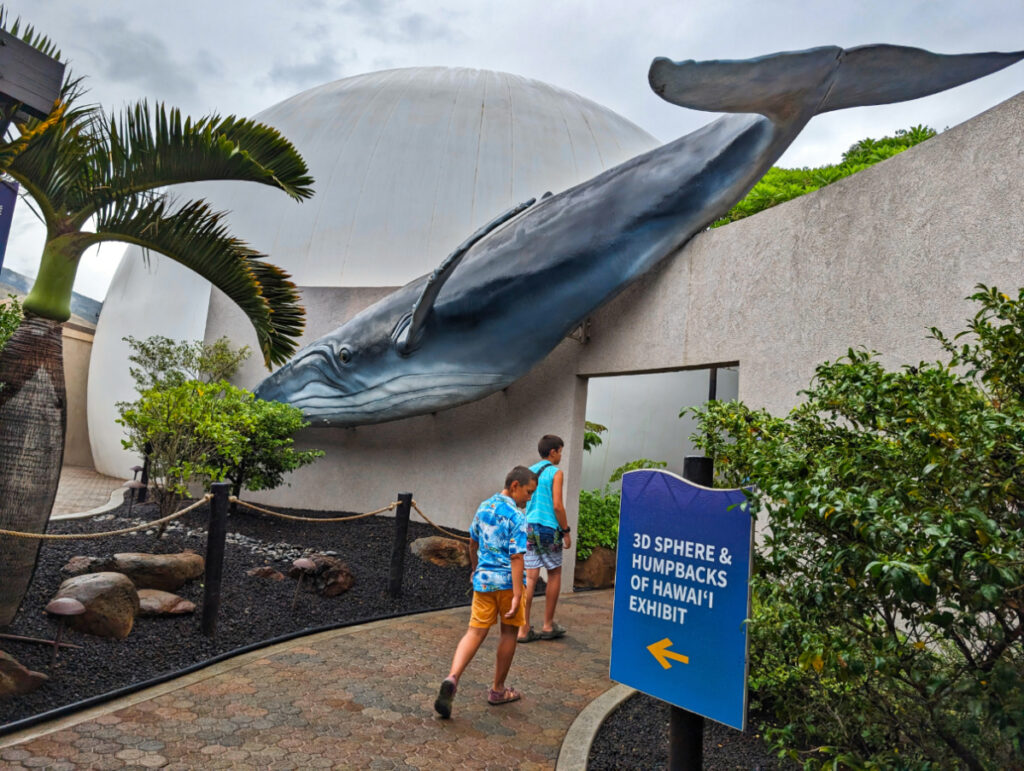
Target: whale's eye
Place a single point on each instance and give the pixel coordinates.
(345, 354)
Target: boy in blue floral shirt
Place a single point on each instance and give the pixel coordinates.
(496, 548)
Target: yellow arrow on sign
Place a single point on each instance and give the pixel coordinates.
(660, 651)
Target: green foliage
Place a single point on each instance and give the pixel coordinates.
(198, 433)
(591, 435)
(599, 511)
(10, 318)
(781, 185)
(889, 620)
(160, 362)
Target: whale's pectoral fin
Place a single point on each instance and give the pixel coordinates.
(409, 330)
(882, 74)
(818, 80)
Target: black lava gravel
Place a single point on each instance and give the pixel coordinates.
(636, 736)
(251, 610)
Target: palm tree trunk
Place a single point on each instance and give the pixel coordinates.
(33, 414)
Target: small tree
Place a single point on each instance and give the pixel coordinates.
(592, 435)
(889, 615)
(198, 433)
(180, 429)
(262, 450)
(160, 362)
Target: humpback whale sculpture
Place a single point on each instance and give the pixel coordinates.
(508, 295)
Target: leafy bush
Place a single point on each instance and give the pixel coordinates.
(198, 432)
(599, 511)
(160, 362)
(889, 624)
(780, 185)
(10, 318)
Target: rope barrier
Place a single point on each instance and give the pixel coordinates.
(389, 507)
(122, 531)
(438, 527)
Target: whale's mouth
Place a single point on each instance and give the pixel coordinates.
(398, 397)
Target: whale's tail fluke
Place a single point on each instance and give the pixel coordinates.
(806, 83)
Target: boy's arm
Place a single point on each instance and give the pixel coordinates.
(516, 561)
(556, 499)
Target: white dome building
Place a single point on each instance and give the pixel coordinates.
(407, 163)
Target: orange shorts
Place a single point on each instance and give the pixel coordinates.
(490, 607)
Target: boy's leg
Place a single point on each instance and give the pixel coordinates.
(503, 661)
(466, 650)
(532, 574)
(551, 592)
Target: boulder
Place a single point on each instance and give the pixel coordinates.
(167, 572)
(444, 552)
(597, 571)
(16, 679)
(110, 601)
(266, 571)
(153, 602)
(329, 576)
(79, 566)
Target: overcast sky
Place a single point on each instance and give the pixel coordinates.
(240, 57)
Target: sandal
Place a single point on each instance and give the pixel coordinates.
(443, 703)
(557, 630)
(531, 636)
(494, 698)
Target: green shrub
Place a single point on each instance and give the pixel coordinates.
(198, 433)
(780, 185)
(159, 362)
(888, 629)
(599, 511)
(10, 318)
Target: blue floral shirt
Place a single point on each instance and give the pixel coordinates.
(499, 528)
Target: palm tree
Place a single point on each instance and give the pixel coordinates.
(93, 179)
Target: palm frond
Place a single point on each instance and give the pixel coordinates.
(197, 237)
(28, 34)
(52, 158)
(145, 149)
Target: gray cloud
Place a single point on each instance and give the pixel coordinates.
(325, 67)
(122, 54)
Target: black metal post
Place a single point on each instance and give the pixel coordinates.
(398, 548)
(713, 384)
(685, 729)
(215, 555)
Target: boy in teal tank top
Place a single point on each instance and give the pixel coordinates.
(547, 535)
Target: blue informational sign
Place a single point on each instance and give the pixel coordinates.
(8, 195)
(682, 594)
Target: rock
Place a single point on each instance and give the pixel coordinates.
(597, 571)
(266, 571)
(153, 602)
(78, 566)
(167, 572)
(444, 552)
(110, 600)
(16, 679)
(329, 578)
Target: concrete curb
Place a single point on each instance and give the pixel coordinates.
(116, 499)
(576, 744)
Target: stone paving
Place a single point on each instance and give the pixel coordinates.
(352, 698)
(82, 488)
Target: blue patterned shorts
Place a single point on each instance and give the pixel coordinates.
(543, 548)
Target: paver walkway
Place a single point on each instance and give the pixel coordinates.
(82, 488)
(360, 697)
